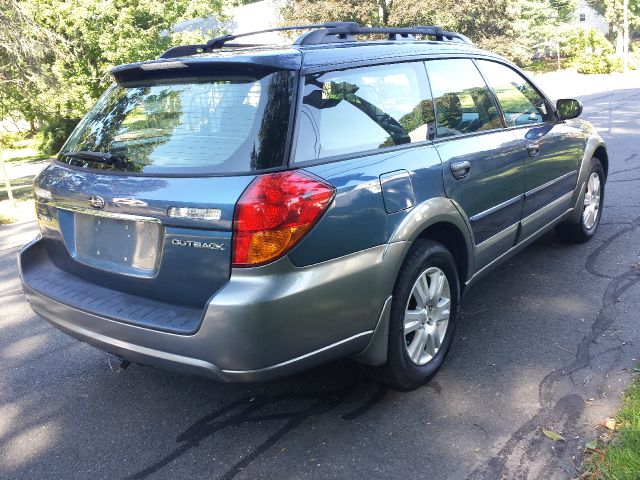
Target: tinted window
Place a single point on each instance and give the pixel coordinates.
(464, 104)
(364, 109)
(217, 125)
(520, 102)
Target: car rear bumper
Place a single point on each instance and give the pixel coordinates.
(265, 322)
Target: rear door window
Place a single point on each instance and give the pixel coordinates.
(209, 125)
(520, 101)
(464, 103)
(364, 109)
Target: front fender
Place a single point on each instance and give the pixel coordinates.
(593, 142)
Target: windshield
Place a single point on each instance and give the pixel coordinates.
(214, 125)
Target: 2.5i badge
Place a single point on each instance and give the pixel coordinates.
(196, 244)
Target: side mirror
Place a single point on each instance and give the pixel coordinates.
(568, 108)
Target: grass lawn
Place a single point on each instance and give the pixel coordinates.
(621, 459)
(23, 150)
(17, 150)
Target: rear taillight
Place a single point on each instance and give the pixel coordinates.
(274, 213)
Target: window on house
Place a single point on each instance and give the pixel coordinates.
(583, 17)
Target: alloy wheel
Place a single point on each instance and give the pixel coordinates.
(427, 315)
(591, 201)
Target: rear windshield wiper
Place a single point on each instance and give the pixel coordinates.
(100, 157)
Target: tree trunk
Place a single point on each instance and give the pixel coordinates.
(385, 7)
(7, 182)
(619, 39)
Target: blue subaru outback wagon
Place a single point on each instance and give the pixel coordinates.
(243, 211)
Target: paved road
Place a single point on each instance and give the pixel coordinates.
(547, 340)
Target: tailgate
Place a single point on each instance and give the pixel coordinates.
(161, 238)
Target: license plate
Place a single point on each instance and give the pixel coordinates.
(121, 246)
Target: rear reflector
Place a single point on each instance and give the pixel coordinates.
(274, 213)
(41, 193)
(195, 213)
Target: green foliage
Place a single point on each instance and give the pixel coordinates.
(591, 64)
(54, 133)
(105, 33)
(19, 147)
(24, 44)
(489, 23)
(25, 49)
(513, 28)
(538, 22)
(613, 11)
(580, 41)
(8, 140)
(86, 38)
(621, 460)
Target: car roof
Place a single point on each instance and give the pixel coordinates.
(320, 57)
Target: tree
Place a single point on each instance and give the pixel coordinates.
(25, 48)
(487, 22)
(540, 22)
(97, 34)
(105, 33)
(613, 11)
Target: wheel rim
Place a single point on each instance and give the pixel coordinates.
(426, 316)
(591, 201)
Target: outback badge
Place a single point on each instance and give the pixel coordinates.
(196, 244)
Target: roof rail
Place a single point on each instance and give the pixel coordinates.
(346, 32)
(218, 42)
(322, 33)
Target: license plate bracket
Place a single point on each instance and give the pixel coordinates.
(121, 246)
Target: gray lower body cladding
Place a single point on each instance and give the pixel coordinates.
(265, 322)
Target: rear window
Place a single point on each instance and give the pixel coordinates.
(216, 125)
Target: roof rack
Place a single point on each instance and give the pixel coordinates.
(346, 32)
(322, 33)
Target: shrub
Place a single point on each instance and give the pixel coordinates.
(9, 139)
(54, 133)
(616, 64)
(579, 42)
(590, 64)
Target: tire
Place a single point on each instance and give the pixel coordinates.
(427, 261)
(582, 230)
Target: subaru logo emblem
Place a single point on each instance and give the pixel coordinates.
(96, 201)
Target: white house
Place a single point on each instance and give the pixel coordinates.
(588, 17)
(244, 18)
(257, 16)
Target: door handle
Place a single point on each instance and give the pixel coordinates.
(460, 169)
(533, 150)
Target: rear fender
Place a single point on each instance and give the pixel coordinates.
(433, 211)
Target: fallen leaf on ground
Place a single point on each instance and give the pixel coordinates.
(591, 444)
(610, 423)
(553, 435)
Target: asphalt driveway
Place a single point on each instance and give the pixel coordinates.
(548, 340)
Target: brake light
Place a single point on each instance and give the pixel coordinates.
(274, 213)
